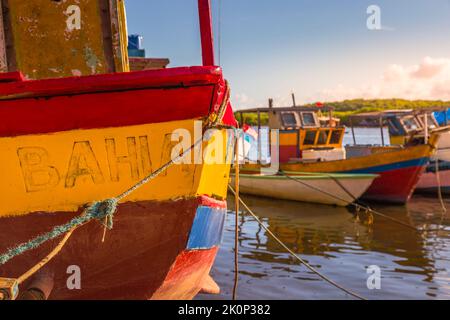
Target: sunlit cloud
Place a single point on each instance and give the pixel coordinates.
(429, 79)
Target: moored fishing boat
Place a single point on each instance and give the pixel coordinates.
(406, 127)
(405, 124)
(329, 189)
(71, 141)
(435, 180)
(398, 171)
(308, 146)
(441, 117)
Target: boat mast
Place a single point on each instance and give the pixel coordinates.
(206, 32)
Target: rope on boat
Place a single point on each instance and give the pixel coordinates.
(441, 199)
(96, 211)
(356, 205)
(302, 261)
(438, 178)
(236, 230)
(102, 211)
(47, 259)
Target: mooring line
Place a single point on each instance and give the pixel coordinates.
(441, 199)
(306, 264)
(356, 205)
(236, 230)
(438, 179)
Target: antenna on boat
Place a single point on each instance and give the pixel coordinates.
(206, 32)
(294, 104)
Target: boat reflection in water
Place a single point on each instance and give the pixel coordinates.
(337, 244)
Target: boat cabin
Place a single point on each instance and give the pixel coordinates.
(405, 126)
(305, 133)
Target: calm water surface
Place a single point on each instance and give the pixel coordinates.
(413, 266)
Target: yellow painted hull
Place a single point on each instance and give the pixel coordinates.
(64, 171)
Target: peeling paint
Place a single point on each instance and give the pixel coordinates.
(77, 73)
(91, 59)
(44, 47)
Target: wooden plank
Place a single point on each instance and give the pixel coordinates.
(3, 58)
(119, 34)
(51, 39)
(382, 132)
(10, 55)
(137, 64)
(259, 139)
(353, 131)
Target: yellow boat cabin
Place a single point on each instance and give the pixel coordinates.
(405, 127)
(305, 133)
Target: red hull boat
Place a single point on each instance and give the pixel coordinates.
(70, 142)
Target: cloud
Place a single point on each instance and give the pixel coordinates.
(429, 79)
(243, 101)
(242, 98)
(429, 68)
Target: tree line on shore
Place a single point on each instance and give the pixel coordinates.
(344, 109)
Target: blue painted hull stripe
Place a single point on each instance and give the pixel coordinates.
(207, 228)
(393, 166)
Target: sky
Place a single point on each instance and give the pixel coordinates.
(322, 50)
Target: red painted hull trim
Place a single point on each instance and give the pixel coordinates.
(108, 101)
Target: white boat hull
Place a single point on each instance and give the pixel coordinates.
(443, 151)
(337, 189)
(429, 182)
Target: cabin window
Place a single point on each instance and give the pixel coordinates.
(310, 138)
(432, 123)
(289, 119)
(308, 119)
(336, 137)
(395, 127)
(323, 137)
(410, 124)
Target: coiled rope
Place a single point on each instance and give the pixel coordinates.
(306, 264)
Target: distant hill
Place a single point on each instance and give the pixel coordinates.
(343, 109)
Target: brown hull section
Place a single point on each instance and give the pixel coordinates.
(132, 263)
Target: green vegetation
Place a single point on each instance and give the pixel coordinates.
(252, 118)
(344, 109)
